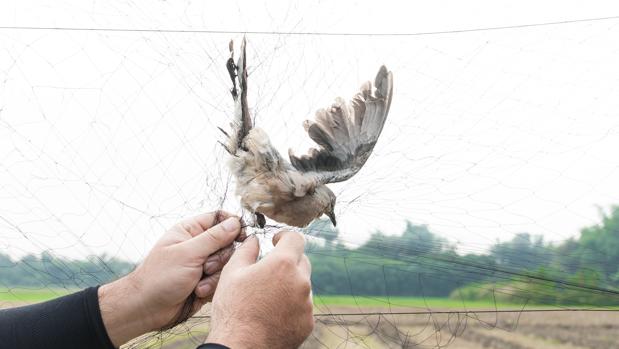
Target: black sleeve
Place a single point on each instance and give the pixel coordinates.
(212, 346)
(72, 321)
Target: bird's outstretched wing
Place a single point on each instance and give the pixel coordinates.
(242, 124)
(347, 132)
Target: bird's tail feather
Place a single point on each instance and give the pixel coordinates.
(241, 124)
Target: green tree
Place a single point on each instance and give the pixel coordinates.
(599, 245)
(523, 251)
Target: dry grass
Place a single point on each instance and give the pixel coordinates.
(544, 330)
(581, 330)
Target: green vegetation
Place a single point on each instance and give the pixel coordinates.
(51, 272)
(578, 290)
(414, 269)
(31, 295)
(408, 302)
(414, 264)
(524, 270)
(583, 271)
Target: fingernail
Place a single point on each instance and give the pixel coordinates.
(209, 266)
(230, 224)
(205, 288)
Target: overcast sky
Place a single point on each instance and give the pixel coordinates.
(108, 137)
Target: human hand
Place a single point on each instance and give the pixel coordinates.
(154, 296)
(267, 304)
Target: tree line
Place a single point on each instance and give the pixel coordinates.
(47, 270)
(525, 269)
(417, 262)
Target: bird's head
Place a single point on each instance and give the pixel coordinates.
(329, 209)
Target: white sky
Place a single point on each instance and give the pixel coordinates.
(106, 138)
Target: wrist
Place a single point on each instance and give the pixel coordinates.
(123, 316)
(240, 339)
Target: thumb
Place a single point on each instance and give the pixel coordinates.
(212, 240)
(244, 255)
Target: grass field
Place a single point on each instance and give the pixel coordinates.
(415, 302)
(26, 295)
(33, 295)
(30, 295)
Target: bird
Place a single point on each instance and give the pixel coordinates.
(295, 192)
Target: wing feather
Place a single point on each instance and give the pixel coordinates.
(347, 132)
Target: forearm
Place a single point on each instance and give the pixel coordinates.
(121, 311)
(72, 321)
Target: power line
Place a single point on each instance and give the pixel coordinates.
(306, 33)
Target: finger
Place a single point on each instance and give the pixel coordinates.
(243, 235)
(245, 254)
(199, 303)
(289, 242)
(206, 287)
(215, 238)
(305, 266)
(217, 260)
(200, 223)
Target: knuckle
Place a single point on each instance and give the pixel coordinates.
(224, 256)
(178, 227)
(305, 286)
(290, 235)
(220, 215)
(286, 262)
(307, 262)
(214, 279)
(189, 225)
(297, 236)
(221, 256)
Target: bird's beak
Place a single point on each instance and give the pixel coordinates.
(332, 218)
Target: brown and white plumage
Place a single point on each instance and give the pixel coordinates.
(347, 132)
(294, 192)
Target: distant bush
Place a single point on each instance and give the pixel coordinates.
(579, 290)
(48, 270)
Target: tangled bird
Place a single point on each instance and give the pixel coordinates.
(295, 192)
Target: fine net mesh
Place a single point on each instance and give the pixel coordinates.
(109, 137)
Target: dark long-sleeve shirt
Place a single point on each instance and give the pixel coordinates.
(72, 321)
